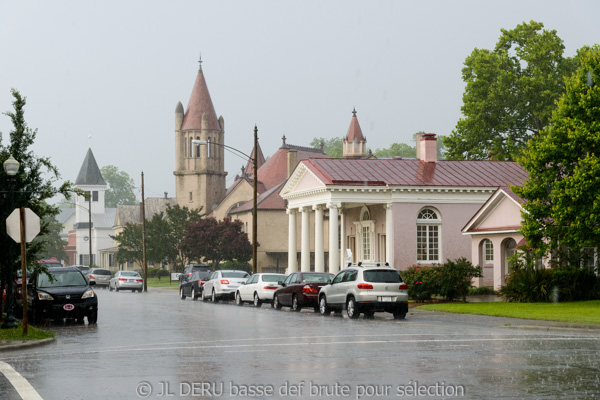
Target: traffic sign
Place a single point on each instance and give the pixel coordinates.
(32, 225)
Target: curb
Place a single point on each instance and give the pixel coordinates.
(21, 344)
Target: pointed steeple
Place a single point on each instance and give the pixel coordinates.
(354, 132)
(355, 144)
(260, 160)
(200, 103)
(90, 174)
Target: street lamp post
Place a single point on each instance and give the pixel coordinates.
(254, 161)
(11, 167)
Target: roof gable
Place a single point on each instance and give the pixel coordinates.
(501, 212)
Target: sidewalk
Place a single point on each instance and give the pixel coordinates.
(6, 345)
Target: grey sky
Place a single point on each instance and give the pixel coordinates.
(116, 70)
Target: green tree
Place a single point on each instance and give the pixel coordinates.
(396, 150)
(562, 207)
(510, 93)
(120, 187)
(334, 147)
(130, 244)
(217, 241)
(50, 243)
(178, 219)
(35, 182)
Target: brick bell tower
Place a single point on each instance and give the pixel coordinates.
(199, 169)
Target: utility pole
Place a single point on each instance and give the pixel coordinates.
(254, 205)
(144, 261)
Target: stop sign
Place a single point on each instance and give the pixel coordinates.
(13, 225)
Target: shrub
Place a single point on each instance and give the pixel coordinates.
(455, 278)
(241, 266)
(554, 284)
(482, 290)
(421, 281)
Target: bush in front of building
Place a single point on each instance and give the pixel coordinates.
(422, 281)
(455, 278)
(527, 284)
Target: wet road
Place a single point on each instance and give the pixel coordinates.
(153, 345)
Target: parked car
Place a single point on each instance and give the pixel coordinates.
(83, 268)
(193, 285)
(126, 280)
(50, 262)
(61, 293)
(300, 289)
(99, 275)
(258, 288)
(187, 271)
(223, 284)
(365, 288)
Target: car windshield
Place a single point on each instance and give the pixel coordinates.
(318, 278)
(272, 278)
(235, 274)
(204, 275)
(382, 276)
(129, 273)
(61, 279)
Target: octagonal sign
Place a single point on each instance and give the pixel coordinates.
(13, 225)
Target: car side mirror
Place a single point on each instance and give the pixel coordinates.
(329, 281)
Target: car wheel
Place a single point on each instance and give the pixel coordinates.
(276, 303)
(204, 299)
(323, 307)
(238, 299)
(181, 295)
(295, 306)
(93, 317)
(351, 309)
(214, 297)
(140, 290)
(196, 294)
(110, 288)
(399, 314)
(257, 301)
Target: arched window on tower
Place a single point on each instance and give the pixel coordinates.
(428, 235)
(209, 148)
(191, 153)
(197, 147)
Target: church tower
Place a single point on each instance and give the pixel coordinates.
(199, 168)
(355, 144)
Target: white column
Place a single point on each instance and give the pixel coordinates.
(389, 234)
(305, 240)
(343, 244)
(334, 252)
(292, 251)
(319, 245)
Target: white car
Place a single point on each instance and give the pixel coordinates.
(258, 288)
(223, 284)
(126, 280)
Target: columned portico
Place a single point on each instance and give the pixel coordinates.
(292, 251)
(343, 244)
(305, 240)
(319, 250)
(334, 253)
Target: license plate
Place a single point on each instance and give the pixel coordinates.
(385, 298)
(68, 307)
(131, 280)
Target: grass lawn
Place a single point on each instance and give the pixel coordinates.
(579, 312)
(163, 282)
(33, 333)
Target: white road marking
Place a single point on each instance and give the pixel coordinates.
(23, 387)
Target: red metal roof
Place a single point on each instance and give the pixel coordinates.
(199, 104)
(401, 172)
(354, 131)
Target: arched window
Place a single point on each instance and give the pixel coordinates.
(209, 147)
(489, 251)
(365, 229)
(428, 235)
(191, 153)
(197, 147)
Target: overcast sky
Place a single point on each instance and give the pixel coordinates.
(115, 70)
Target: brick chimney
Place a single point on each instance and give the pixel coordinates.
(292, 161)
(427, 150)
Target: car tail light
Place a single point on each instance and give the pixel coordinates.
(122, 279)
(201, 282)
(309, 289)
(364, 286)
(224, 282)
(403, 286)
(271, 287)
(92, 277)
(139, 280)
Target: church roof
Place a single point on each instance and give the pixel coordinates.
(90, 174)
(200, 103)
(259, 161)
(354, 132)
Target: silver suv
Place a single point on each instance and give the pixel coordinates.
(366, 288)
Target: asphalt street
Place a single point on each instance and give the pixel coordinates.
(154, 345)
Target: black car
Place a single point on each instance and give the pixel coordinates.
(66, 295)
(187, 272)
(193, 285)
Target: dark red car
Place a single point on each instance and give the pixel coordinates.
(301, 289)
